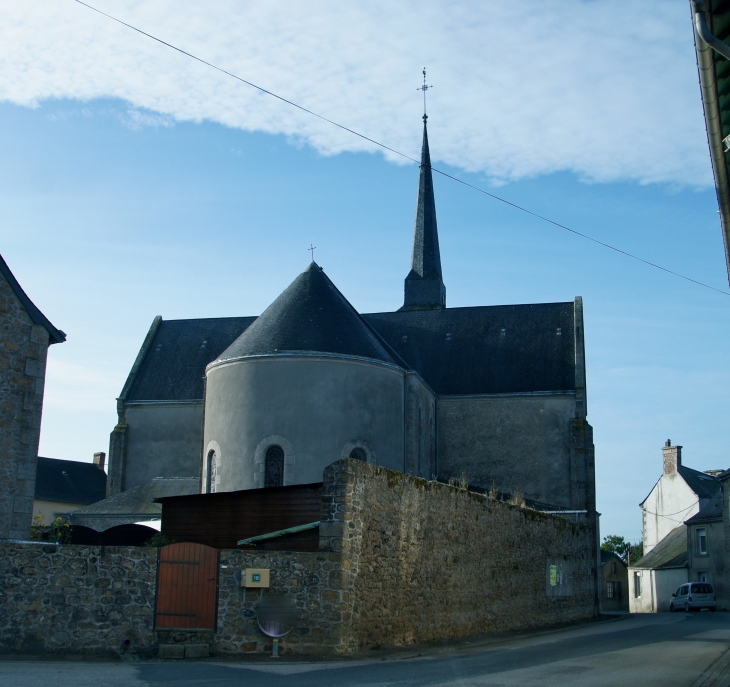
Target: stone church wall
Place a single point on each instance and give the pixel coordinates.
(313, 406)
(509, 442)
(402, 560)
(163, 440)
(23, 352)
(420, 423)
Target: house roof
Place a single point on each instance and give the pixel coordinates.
(711, 511)
(714, 73)
(607, 556)
(701, 484)
(140, 500)
(310, 315)
(670, 552)
(69, 481)
(55, 335)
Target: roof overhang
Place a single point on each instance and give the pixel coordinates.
(714, 73)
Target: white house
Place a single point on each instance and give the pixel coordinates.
(679, 494)
(678, 514)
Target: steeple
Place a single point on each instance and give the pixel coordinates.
(424, 285)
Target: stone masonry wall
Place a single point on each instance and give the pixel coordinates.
(426, 561)
(23, 349)
(402, 560)
(100, 600)
(77, 599)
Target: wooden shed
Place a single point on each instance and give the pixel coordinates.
(222, 520)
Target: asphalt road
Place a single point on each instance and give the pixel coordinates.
(646, 650)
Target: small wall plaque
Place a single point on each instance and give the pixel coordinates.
(255, 577)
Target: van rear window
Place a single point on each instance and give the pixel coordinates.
(702, 589)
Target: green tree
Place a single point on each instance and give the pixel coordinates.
(618, 545)
(615, 544)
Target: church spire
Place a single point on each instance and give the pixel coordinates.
(424, 285)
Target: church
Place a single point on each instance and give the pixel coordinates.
(494, 396)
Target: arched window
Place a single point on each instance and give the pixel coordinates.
(359, 453)
(274, 474)
(211, 468)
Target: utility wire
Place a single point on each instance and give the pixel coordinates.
(666, 515)
(397, 152)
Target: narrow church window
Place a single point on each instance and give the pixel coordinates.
(274, 476)
(359, 453)
(211, 469)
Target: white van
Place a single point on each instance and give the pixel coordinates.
(693, 596)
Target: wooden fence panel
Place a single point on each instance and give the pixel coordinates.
(187, 587)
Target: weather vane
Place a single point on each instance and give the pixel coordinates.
(424, 88)
(312, 248)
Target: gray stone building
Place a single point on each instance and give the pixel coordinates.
(496, 394)
(26, 335)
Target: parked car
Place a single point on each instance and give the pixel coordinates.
(693, 596)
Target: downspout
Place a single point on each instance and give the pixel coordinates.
(708, 88)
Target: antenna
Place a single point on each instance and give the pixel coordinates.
(424, 88)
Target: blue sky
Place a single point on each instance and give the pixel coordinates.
(130, 189)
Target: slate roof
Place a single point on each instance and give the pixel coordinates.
(56, 335)
(141, 500)
(425, 256)
(457, 351)
(488, 349)
(607, 556)
(174, 366)
(476, 359)
(311, 315)
(711, 511)
(670, 552)
(701, 484)
(69, 481)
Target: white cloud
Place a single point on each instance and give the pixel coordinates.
(137, 119)
(521, 89)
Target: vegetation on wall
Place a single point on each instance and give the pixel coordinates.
(58, 531)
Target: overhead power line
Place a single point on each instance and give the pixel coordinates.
(403, 155)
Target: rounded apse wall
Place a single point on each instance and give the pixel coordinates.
(309, 406)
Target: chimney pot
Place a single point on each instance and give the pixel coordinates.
(100, 459)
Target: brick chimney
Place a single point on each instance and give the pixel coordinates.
(99, 460)
(672, 457)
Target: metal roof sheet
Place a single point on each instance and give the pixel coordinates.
(670, 552)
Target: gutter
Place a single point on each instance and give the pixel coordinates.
(704, 48)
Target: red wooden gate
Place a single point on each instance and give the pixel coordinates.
(187, 587)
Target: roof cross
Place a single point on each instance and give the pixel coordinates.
(424, 88)
(312, 248)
